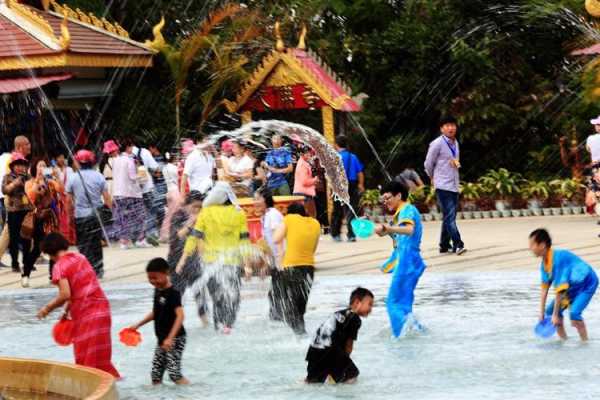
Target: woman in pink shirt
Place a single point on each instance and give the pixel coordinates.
(305, 182)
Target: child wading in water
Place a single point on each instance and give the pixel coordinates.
(405, 263)
(329, 353)
(574, 281)
(167, 314)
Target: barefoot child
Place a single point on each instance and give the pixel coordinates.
(167, 314)
(405, 263)
(574, 282)
(329, 353)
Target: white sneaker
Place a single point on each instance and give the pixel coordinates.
(143, 244)
(25, 282)
(125, 246)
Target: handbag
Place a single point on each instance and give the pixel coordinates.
(103, 213)
(28, 225)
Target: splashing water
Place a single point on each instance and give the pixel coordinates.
(330, 159)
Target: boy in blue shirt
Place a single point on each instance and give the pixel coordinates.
(405, 264)
(574, 282)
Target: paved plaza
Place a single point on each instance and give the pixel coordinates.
(494, 244)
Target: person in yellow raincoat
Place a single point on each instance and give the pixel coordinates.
(220, 235)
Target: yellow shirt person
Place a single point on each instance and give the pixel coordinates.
(302, 237)
(221, 234)
(291, 286)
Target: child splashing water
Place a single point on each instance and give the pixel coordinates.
(167, 314)
(329, 352)
(574, 282)
(405, 263)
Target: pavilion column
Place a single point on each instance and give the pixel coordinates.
(328, 124)
(329, 132)
(246, 117)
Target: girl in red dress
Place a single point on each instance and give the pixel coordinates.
(85, 301)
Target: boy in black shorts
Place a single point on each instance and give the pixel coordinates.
(329, 353)
(167, 314)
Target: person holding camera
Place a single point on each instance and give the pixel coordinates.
(42, 191)
(17, 207)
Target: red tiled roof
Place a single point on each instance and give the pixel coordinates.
(308, 72)
(14, 85)
(15, 42)
(87, 40)
(326, 79)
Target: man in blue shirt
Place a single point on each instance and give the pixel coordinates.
(279, 163)
(356, 186)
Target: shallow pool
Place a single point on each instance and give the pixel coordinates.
(479, 344)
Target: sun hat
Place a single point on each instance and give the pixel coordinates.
(110, 147)
(595, 121)
(85, 157)
(17, 157)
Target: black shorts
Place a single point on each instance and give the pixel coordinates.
(330, 362)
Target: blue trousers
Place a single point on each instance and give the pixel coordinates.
(401, 297)
(578, 301)
(448, 202)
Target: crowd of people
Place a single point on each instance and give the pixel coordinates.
(130, 194)
(210, 252)
(135, 197)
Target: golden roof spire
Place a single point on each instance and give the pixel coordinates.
(65, 35)
(279, 46)
(159, 41)
(302, 39)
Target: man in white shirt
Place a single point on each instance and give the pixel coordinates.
(593, 141)
(198, 171)
(154, 214)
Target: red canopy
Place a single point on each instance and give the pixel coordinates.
(13, 85)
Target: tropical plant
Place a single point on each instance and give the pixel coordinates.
(370, 198)
(501, 183)
(539, 190)
(430, 196)
(567, 188)
(418, 195)
(470, 191)
(217, 56)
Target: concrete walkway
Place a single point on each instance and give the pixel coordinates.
(495, 244)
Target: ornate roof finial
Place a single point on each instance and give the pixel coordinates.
(302, 40)
(159, 41)
(279, 46)
(65, 35)
(593, 7)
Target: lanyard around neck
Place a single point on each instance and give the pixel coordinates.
(450, 146)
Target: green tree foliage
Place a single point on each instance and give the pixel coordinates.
(503, 68)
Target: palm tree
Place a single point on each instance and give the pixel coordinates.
(215, 51)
